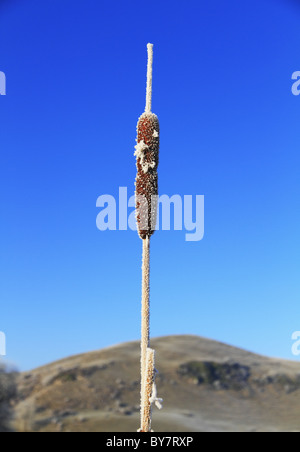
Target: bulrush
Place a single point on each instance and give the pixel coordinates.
(146, 152)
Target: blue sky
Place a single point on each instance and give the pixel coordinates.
(229, 131)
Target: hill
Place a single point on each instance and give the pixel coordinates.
(206, 386)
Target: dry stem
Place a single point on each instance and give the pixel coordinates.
(148, 388)
(149, 79)
(145, 316)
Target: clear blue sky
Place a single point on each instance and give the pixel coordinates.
(229, 130)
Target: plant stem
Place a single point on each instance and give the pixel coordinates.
(148, 388)
(145, 333)
(149, 79)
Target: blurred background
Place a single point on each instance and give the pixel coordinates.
(222, 79)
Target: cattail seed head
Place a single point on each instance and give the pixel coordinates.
(147, 152)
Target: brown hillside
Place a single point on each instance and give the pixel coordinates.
(206, 386)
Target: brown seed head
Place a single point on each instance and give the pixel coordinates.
(147, 150)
